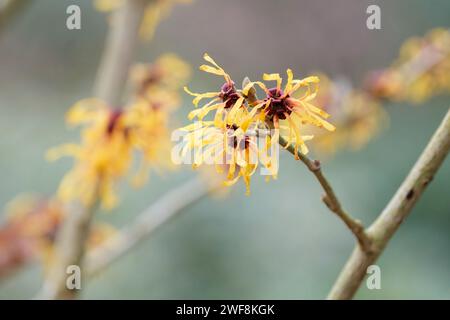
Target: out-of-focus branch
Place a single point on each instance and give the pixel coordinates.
(113, 73)
(70, 247)
(157, 214)
(9, 9)
(384, 227)
(119, 51)
(330, 198)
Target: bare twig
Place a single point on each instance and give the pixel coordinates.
(384, 227)
(330, 199)
(119, 52)
(157, 214)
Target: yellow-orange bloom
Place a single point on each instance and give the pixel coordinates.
(287, 110)
(237, 148)
(113, 140)
(110, 140)
(103, 156)
(167, 74)
(30, 228)
(149, 135)
(28, 231)
(228, 98)
(239, 137)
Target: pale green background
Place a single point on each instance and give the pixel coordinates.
(280, 242)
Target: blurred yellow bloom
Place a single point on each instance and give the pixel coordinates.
(103, 156)
(30, 229)
(149, 135)
(156, 11)
(114, 140)
(159, 83)
(168, 72)
(109, 140)
(421, 70)
(357, 114)
(108, 5)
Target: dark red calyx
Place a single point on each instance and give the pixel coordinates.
(228, 94)
(279, 104)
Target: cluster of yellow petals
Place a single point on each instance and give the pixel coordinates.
(103, 156)
(28, 231)
(156, 11)
(239, 117)
(298, 95)
(422, 70)
(231, 144)
(159, 83)
(114, 141)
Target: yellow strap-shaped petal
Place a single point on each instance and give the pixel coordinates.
(211, 60)
(316, 110)
(232, 113)
(273, 77)
(212, 70)
(290, 78)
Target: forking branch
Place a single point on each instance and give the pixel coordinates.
(373, 240)
(401, 204)
(330, 199)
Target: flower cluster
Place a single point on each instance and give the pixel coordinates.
(358, 115)
(29, 233)
(156, 11)
(422, 70)
(114, 139)
(158, 83)
(240, 119)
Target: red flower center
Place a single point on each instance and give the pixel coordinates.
(113, 121)
(228, 94)
(279, 104)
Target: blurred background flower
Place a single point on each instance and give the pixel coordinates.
(29, 231)
(281, 242)
(421, 70)
(357, 115)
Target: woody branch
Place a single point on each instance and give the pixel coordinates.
(112, 75)
(330, 199)
(401, 204)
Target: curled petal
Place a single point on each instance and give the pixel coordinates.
(212, 70)
(273, 77)
(200, 96)
(290, 75)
